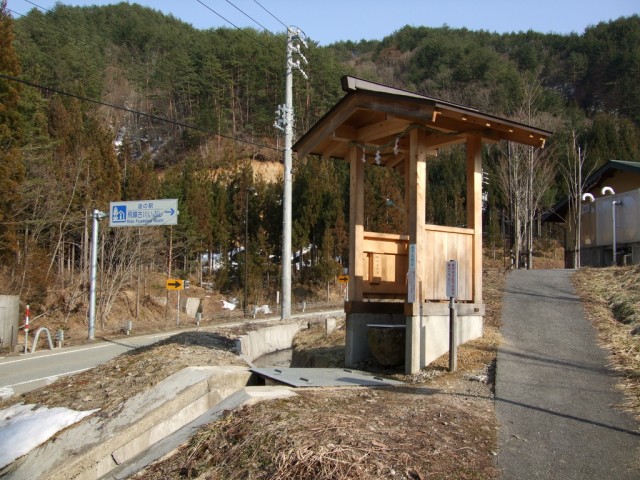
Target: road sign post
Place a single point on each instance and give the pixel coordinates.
(97, 215)
(452, 293)
(144, 213)
(177, 284)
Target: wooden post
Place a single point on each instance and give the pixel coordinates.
(474, 210)
(417, 193)
(416, 198)
(356, 225)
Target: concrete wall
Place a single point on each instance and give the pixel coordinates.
(427, 335)
(434, 333)
(190, 306)
(266, 340)
(356, 341)
(9, 319)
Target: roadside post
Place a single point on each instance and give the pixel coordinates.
(343, 280)
(176, 284)
(97, 215)
(27, 314)
(452, 293)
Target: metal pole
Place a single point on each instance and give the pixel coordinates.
(97, 214)
(246, 252)
(453, 337)
(287, 192)
(178, 310)
(613, 214)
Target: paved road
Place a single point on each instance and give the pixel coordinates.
(554, 395)
(28, 372)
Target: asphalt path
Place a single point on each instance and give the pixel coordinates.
(555, 399)
(34, 370)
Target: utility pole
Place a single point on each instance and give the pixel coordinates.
(285, 122)
(97, 215)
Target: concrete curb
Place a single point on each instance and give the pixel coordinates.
(168, 445)
(95, 446)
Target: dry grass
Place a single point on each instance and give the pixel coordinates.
(108, 385)
(612, 303)
(439, 425)
(406, 433)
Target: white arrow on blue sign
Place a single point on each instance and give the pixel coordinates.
(144, 213)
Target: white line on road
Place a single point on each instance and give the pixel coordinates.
(50, 377)
(107, 343)
(54, 354)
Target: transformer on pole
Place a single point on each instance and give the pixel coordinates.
(284, 122)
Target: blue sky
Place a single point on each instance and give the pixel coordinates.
(328, 21)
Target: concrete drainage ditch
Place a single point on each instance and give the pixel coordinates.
(153, 423)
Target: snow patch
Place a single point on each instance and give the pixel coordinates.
(24, 427)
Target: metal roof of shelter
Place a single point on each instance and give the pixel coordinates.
(373, 116)
(324, 377)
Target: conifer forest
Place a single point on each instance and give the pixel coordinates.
(120, 102)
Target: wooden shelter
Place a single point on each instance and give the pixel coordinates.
(376, 124)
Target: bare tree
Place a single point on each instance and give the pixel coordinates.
(523, 175)
(573, 174)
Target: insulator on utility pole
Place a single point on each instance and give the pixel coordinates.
(295, 38)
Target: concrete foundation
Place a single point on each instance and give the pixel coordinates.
(427, 331)
(267, 340)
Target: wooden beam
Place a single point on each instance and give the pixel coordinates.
(356, 225)
(330, 149)
(391, 126)
(436, 140)
(411, 112)
(335, 118)
(474, 210)
(344, 133)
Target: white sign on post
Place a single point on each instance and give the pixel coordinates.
(144, 213)
(411, 274)
(452, 279)
(412, 257)
(411, 286)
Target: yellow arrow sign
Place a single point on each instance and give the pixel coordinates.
(343, 279)
(175, 284)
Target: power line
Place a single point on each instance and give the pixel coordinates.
(276, 18)
(233, 24)
(130, 61)
(248, 16)
(135, 112)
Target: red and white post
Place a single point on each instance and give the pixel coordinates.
(27, 314)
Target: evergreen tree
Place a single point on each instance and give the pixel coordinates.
(11, 166)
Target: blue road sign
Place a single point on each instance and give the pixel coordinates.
(144, 213)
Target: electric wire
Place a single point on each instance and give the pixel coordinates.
(131, 61)
(135, 112)
(276, 18)
(249, 16)
(252, 37)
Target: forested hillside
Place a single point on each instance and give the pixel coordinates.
(121, 102)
